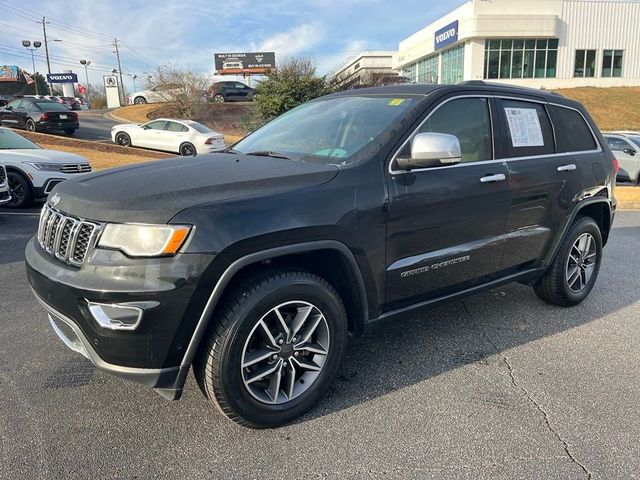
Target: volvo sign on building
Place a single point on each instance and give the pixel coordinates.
(536, 43)
(62, 78)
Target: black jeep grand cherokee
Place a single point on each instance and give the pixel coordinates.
(253, 265)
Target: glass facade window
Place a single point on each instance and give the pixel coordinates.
(521, 58)
(612, 63)
(409, 72)
(453, 65)
(428, 70)
(585, 65)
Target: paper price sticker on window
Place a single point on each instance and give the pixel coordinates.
(524, 126)
(396, 101)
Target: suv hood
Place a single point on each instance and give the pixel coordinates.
(39, 155)
(156, 191)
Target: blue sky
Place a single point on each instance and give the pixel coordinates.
(188, 32)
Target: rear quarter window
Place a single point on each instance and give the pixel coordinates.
(572, 132)
(527, 129)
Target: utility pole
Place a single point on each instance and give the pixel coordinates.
(117, 52)
(46, 50)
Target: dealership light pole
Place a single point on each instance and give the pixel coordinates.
(85, 64)
(27, 44)
(117, 52)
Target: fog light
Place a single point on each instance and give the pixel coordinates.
(116, 316)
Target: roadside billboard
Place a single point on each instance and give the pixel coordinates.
(244, 63)
(8, 73)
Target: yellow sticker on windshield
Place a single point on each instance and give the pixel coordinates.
(396, 101)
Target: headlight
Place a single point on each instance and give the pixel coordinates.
(45, 167)
(144, 240)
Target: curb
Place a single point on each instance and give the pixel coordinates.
(115, 118)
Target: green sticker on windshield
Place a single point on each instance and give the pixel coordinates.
(396, 101)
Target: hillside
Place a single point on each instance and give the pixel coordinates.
(613, 108)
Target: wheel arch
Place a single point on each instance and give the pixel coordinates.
(598, 208)
(310, 256)
(14, 169)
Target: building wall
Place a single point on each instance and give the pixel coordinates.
(578, 24)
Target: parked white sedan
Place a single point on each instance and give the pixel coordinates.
(185, 137)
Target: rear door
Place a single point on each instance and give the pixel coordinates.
(628, 158)
(545, 167)
(175, 134)
(446, 224)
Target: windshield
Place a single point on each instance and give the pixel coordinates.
(50, 106)
(11, 140)
(200, 128)
(330, 131)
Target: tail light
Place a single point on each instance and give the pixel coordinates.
(616, 165)
(44, 117)
(210, 141)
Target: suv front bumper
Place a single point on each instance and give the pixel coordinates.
(151, 354)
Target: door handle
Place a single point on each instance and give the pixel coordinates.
(567, 168)
(500, 177)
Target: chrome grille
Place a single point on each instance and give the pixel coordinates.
(3, 175)
(75, 168)
(67, 238)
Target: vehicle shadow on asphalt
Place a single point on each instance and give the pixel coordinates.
(407, 350)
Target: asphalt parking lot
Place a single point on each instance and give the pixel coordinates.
(498, 386)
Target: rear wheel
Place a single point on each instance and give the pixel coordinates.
(187, 150)
(30, 125)
(274, 350)
(69, 131)
(139, 100)
(219, 98)
(20, 189)
(123, 139)
(573, 273)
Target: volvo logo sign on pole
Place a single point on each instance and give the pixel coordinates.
(62, 78)
(446, 35)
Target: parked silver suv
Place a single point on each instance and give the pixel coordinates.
(626, 148)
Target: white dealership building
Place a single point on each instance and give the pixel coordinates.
(537, 43)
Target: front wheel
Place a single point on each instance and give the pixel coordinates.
(20, 189)
(123, 139)
(573, 273)
(274, 350)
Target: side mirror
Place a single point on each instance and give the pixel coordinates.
(432, 150)
(145, 127)
(629, 151)
(8, 107)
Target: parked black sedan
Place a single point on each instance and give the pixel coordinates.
(38, 114)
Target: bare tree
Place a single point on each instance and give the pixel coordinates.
(365, 78)
(182, 89)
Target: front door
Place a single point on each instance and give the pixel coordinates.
(446, 224)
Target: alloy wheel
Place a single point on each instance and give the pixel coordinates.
(187, 150)
(581, 262)
(285, 352)
(16, 188)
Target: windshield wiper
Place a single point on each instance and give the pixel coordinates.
(269, 153)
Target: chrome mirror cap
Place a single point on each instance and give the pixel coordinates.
(432, 150)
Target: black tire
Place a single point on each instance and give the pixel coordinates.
(219, 98)
(70, 131)
(20, 189)
(30, 125)
(553, 287)
(139, 100)
(218, 364)
(188, 150)
(123, 139)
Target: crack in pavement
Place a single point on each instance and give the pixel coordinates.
(538, 407)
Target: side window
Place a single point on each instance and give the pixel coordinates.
(617, 144)
(240, 86)
(176, 127)
(467, 119)
(158, 125)
(572, 132)
(527, 129)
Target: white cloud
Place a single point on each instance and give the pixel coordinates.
(296, 40)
